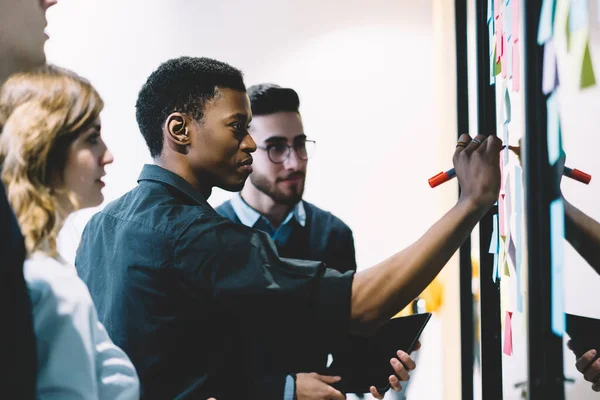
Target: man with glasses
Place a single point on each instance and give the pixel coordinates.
(271, 199)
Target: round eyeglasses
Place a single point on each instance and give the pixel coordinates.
(279, 152)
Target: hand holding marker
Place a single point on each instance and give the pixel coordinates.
(568, 172)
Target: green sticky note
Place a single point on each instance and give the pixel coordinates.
(506, 269)
(588, 78)
(497, 66)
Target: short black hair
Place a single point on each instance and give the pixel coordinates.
(183, 85)
(268, 98)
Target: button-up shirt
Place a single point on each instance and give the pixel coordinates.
(203, 306)
(252, 218)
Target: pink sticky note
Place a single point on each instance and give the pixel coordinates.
(516, 78)
(516, 18)
(499, 40)
(496, 9)
(508, 334)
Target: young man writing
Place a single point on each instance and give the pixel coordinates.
(194, 298)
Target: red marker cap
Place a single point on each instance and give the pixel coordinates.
(578, 175)
(439, 179)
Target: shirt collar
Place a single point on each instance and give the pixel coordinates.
(152, 172)
(249, 216)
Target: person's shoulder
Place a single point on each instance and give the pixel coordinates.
(153, 209)
(324, 218)
(52, 282)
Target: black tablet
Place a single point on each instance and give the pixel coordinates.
(365, 361)
(584, 333)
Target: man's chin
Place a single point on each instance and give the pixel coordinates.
(232, 187)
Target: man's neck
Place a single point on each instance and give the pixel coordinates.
(203, 187)
(265, 205)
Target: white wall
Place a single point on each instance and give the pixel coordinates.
(365, 75)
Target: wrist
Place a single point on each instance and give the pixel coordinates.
(472, 207)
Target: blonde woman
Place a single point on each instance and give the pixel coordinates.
(53, 160)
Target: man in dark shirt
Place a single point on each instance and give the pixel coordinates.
(206, 307)
(271, 199)
(22, 25)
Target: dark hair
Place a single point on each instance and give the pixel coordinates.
(185, 85)
(268, 98)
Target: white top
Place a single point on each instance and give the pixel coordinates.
(76, 358)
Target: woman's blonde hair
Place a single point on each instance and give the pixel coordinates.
(41, 113)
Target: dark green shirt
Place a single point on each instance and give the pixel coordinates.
(203, 306)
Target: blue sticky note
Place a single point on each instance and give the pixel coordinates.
(557, 234)
(490, 10)
(546, 28)
(492, 67)
(495, 239)
(578, 15)
(495, 271)
(518, 189)
(553, 126)
(491, 36)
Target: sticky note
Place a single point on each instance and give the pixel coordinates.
(516, 71)
(545, 29)
(508, 54)
(512, 251)
(550, 72)
(578, 15)
(499, 40)
(508, 345)
(493, 66)
(518, 233)
(507, 107)
(516, 19)
(557, 234)
(504, 57)
(588, 78)
(518, 189)
(507, 200)
(508, 20)
(501, 215)
(505, 141)
(496, 9)
(494, 241)
(497, 67)
(492, 38)
(495, 269)
(490, 11)
(553, 126)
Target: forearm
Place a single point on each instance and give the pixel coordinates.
(381, 291)
(583, 233)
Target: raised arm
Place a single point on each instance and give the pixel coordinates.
(583, 232)
(381, 291)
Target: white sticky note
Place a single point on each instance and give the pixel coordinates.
(553, 128)
(557, 234)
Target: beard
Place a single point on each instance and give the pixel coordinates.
(289, 197)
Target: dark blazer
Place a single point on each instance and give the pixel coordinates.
(18, 350)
